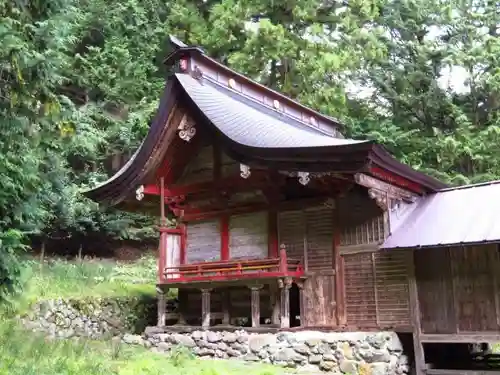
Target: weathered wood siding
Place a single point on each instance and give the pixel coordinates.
(376, 289)
(200, 168)
(291, 232)
(229, 166)
(361, 221)
(203, 241)
(458, 289)
(248, 236)
(319, 235)
(311, 229)
(319, 302)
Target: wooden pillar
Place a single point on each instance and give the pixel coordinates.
(285, 286)
(300, 286)
(162, 306)
(255, 304)
(275, 303)
(182, 306)
(205, 308)
(226, 302)
(415, 317)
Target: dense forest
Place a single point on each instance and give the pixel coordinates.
(80, 81)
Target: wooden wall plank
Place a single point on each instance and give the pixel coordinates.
(248, 236)
(200, 168)
(319, 302)
(203, 241)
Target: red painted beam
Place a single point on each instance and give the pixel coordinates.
(394, 179)
(229, 183)
(252, 275)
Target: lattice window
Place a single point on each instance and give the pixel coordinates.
(372, 231)
(376, 287)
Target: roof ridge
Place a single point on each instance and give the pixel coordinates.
(277, 114)
(469, 186)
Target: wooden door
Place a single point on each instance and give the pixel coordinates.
(173, 254)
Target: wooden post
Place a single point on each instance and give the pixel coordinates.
(182, 307)
(300, 286)
(285, 286)
(42, 254)
(255, 304)
(283, 260)
(205, 308)
(226, 301)
(339, 279)
(275, 303)
(162, 307)
(415, 317)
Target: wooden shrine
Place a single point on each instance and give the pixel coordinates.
(281, 222)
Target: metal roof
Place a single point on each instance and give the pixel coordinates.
(253, 124)
(455, 216)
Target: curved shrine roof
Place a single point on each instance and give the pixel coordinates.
(252, 132)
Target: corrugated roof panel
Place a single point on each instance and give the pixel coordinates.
(252, 124)
(464, 215)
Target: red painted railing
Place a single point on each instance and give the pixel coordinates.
(235, 270)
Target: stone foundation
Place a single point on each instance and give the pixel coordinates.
(346, 352)
(92, 318)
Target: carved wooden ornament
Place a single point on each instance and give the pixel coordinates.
(244, 171)
(303, 177)
(139, 193)
(186, 129)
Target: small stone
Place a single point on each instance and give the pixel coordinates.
(229, 337)
(262, 354)
(242, 348)
(329, 357)
(202, 352)
(327, 365)
(378, 341)
(220, 353)
(313, 342)
(257, 342)
(198, 335)
(182, 340)
(163, 346)
(403, 360)
(233, 353)
(222, 346)
(288, 355)
(132, 339)
(315, 359)
(213, 336)
(202, 343)
(346, 350)
(380, 355)
(211, 345)
(250, 357)
(378, 368)
(153, 330)
(301, 349)
(324, 348)
(308, 369)
(147, 344)
(162, 337)
(243, 338)
(348, 366)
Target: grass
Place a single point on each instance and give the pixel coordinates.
(59, 278)
(24, 353)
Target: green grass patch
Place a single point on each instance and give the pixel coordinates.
(23, 353)
(59, 278)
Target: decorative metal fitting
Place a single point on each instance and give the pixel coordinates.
(139, 193)
(244, 171)
(303, 178)
(186, 129)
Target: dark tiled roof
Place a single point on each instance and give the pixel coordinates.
(253, 124)
(463, 215)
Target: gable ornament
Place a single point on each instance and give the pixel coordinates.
(186, 129)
